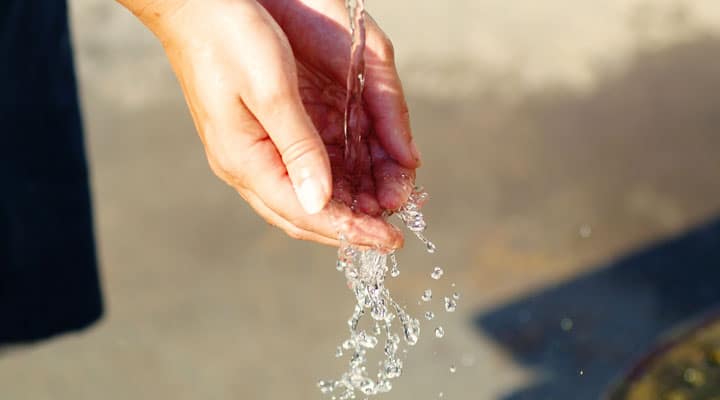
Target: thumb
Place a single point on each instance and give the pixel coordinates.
(271, 93)
(306, 161)
(301, 149)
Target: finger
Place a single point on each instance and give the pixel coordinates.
(394, 182)
(275, 219)
(366, 201)
(324, 36)
(385, 100)
(367, 204)
(240, 153)
(271, 94)
(276, 191)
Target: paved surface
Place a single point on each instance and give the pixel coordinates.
(562, 142)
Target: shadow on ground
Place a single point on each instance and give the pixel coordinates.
(656, 125)
(583, 333)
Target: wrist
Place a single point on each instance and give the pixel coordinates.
(154, 13)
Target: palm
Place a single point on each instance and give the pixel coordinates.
(258, 106)
(324, 101)
(321, 47)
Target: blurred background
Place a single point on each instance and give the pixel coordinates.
(570, 150)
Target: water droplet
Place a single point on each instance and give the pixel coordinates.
(377, 330)
(437, 273)
(456, 296)
(326, 386)
(357, 359)
(452, 369)
(452, 284)
(378, 311)
(390, 348)
(412, 332)
(427, 295)
(429, 315)
(585, 231)
(694, 377)
(439, 332)
(338, 352)
(365, 272)
(450, 304)
(368, 341)
(441, 395)
(367, 387)
(417, 224)
(430, 247)
(582, 372)
(394, 268)
(467, 360)
(384, 386)
(392, 368)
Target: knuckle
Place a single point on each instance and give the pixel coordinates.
(296, 233)
(274, 96)
(297, 221)
(217, 169)
(299, 149)
(229, 169)
(387, 50)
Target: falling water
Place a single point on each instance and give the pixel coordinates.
(365, 271)
(355, 84)
(389, 327)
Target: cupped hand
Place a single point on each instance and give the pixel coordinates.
(265, 84)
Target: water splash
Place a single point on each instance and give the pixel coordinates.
(427, 295)
(413, 218)
(450, 304)
(365, 271)
(394, 267)
(437, 273)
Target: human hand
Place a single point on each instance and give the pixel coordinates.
(272, 120)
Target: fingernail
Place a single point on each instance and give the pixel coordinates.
(311, 195)
(414, 151)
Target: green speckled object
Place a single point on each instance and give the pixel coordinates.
(687, 367)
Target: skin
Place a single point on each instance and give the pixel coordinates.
(265, 84)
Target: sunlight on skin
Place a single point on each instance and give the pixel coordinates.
(265, 84)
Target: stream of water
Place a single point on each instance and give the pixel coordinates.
(389, 327)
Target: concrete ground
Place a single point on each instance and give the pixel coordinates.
(571, 154)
